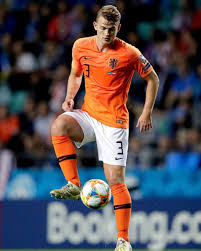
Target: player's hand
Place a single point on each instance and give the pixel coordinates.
(144, 122)
(68, 105)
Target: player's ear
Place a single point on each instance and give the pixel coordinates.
(95, 25)
(119, 27)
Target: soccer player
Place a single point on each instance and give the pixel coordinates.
(108, 64)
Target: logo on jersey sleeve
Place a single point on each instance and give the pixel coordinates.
(113, 63)
(145, 63)
(142, 59)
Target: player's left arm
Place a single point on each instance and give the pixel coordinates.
(145, 120)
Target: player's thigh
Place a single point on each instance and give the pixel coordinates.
(73, 128)
(86, 130)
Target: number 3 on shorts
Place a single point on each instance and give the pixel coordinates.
(120, 152)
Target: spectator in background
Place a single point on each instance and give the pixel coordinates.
(39, 84)
(77, 19)
(183, 155)
(58, 88)
(67, 25)
(182, 85)
(25, 61)
(197, 98)
(7, 21)
(9, 124)
(134, 158)
(194, 139)
(7, 164)
(31, 151)
(59, 26)
(35, 151)
(196, 21)
(197, 86)
(26, 117)
(17, 4)
(43, 120)
(163, 147)
(133, 38)
(31, 27)
(188, 44)
(50, 56)
(5, 93)
(159, 50)
(183, 16)
(45, 17)
(5, 51)
(91, 17)
(181, 116)
(181, 141)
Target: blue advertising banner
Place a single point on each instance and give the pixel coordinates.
(155, 224)
(37, 183)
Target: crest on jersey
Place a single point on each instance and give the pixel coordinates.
(113, 62)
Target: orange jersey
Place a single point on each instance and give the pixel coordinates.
(107, 78)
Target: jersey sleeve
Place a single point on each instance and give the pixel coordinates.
(76, 57)
(140, 63)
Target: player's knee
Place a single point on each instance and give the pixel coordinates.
(60, 126)
(115, 180)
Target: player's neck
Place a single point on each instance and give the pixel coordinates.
(103, 47)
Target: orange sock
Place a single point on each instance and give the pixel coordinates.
(122, 209)
(66, 154)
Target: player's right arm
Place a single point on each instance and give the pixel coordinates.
(74, 80)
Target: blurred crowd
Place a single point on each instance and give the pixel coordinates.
(36, 39)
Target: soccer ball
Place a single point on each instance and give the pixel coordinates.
(95, 194)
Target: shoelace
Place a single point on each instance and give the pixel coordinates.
(66, 186)
(121, 242)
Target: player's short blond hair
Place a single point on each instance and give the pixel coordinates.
(110, 13)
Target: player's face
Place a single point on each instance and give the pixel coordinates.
(106, 31)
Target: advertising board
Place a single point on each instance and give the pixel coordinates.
(155, 224)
